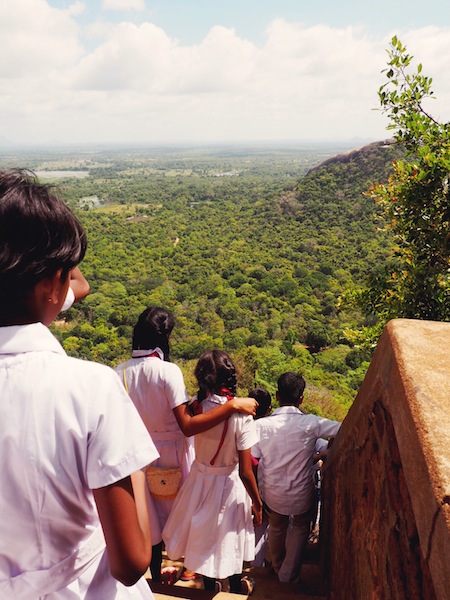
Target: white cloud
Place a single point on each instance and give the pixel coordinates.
(35, 36)
(137, 5)
(431, 47)
(77, 8)
(136, 83)
(129, 56)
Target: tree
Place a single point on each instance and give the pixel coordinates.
(415, 201)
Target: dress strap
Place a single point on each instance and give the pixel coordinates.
(223, 392)
(198, 409)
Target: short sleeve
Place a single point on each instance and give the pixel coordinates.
(327, 428)
(174, 386)
(119, 443)
(256, 450)
(245, 432)
(321, 445)
(70, 299)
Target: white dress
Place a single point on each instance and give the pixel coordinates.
(156, 388)
(211, 521)
(66, 427)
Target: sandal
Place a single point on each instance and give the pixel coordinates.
(169, 575)
(314, 537)
(247, 585)
(188, 575)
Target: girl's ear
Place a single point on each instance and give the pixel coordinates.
(56, 286)
(41, 303)
(51, 293)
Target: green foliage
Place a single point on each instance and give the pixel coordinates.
(415, 281)
(248, 250)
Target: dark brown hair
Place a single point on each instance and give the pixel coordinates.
(290, 388)
(264, 400)
(39, 234)
(215, 370)
(153, 329)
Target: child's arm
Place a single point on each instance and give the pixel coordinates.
(249, 481)
(191, 425)
(79, 284)
(139, 490)
(124, 518)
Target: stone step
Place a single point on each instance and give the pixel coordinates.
(191, 594)
(267, 587)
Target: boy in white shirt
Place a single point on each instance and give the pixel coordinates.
(286, 447)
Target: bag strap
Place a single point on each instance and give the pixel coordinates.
(153, 354)
(124, 372)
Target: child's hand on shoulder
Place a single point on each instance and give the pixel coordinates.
(247, 406)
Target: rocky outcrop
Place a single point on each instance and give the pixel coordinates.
(387, 480)
(350, 155)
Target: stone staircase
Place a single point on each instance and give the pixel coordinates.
(267, 585)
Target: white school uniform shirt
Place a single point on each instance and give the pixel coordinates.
(67, 426)
(285, 448)
(156, 387)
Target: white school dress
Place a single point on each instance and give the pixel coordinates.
(66, 427)
(211, 520)
(156, 388)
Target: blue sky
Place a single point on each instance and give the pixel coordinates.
(190, 20)
(251, 17)
(208, 71)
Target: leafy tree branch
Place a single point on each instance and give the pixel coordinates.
(415, 201)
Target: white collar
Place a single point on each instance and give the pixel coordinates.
(148, 352)
(217, 399)
(283, 410)
(35, 337)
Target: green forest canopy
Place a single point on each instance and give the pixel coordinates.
(250, 251)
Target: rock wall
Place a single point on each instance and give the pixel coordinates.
(386, 489)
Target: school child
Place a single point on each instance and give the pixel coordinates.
(74, 521)
(211, 520)
(285, 450)
(157, 389)
(264, 400)
(263, 409)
